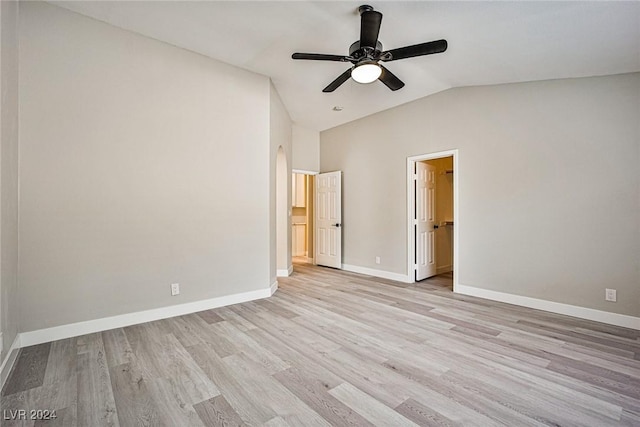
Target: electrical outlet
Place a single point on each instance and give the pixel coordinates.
(175, 289)
(610, 295)
(377, 260)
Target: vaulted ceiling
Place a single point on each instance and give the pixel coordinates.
(489, 43)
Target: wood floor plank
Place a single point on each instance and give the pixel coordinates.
(624, 386)
(296, 357)
(134, 403)
(276, 309)
(469, 397)
(269, 391)
(61, 364)
(370, 408)
(183, 329)
(251, 409)
(610, 361)
(159, 354)
(339, 348)
(191, 382)
(244, 343)
(96, 405)
(548, 391)
(168, 397)
(117, 348)
(217, 412)
(630, 418)
(422, 414)
(29, 370)
(232, 317)
(585, 339)
(315, 394)
(277, 422)
(220, 344)
(210, 316)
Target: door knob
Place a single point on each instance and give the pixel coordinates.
(337, 225)
(436, 226)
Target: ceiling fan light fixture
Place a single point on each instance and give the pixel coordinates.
(366, 52)
(366, 73)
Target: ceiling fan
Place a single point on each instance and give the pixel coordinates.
(366, 54)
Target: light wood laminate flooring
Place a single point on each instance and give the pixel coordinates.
(337, 348)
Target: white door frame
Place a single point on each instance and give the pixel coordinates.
(411, 201)
(304, 172)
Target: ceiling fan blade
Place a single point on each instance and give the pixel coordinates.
(319, 57)
(390, 79)
(337, 82)
(369, 28)
(421, 49)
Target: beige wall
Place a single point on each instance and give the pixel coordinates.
(549, 186)
(9, 310)
(306, 149)
(141, 165)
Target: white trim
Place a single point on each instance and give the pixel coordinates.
(274, 287)
(304, 172)
(554, 307)
(97, 325)
(9, 360)
(456, 212)
(376, 273)
(285, 273)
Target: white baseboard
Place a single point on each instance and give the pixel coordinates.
(9, 360)
(285, 273)
(553, 307)
(98, 325)
(274, 287)
(376, 273)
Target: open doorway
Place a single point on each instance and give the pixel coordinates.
(432, 217)
(302, 219)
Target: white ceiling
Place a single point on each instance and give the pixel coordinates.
(489, 43)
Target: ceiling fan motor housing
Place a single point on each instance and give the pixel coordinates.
(357, 52)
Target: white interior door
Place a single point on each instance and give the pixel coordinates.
(425, 225)
(328, 209)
